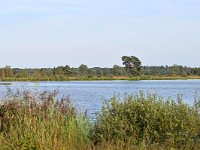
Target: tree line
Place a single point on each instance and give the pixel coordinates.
(132, 67)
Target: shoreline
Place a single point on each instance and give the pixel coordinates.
(103, 78)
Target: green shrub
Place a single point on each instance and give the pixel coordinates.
(149, 120)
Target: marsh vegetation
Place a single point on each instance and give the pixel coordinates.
(135, 122)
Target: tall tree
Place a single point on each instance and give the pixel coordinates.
(132, 64)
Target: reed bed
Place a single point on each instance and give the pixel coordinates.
(28, 122)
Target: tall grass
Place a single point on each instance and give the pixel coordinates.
(136, 122)
(42, 123)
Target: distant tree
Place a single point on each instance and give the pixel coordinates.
(24, 73)
(8, 72)
(118, 71)
(60, 71)
(45, 73)
(37, 75)
(92, 72)
(67, 70)
(98, 71)
(54, 71)
(83, 70)
(2, 73)
(132, 64)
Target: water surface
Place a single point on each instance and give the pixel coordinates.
(88, 95)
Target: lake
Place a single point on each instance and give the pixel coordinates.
(88, 95)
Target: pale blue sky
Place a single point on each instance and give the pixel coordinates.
(47, 33)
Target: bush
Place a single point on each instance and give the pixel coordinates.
(149, 120)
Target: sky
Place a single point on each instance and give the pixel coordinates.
(48, 33)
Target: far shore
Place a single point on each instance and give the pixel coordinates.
(102, 78)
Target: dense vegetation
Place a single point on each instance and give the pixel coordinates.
(149, 121)
(137, 122)
(28, 122)
(132, 70)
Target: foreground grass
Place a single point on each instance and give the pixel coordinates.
(137, 122)
(42, 123)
